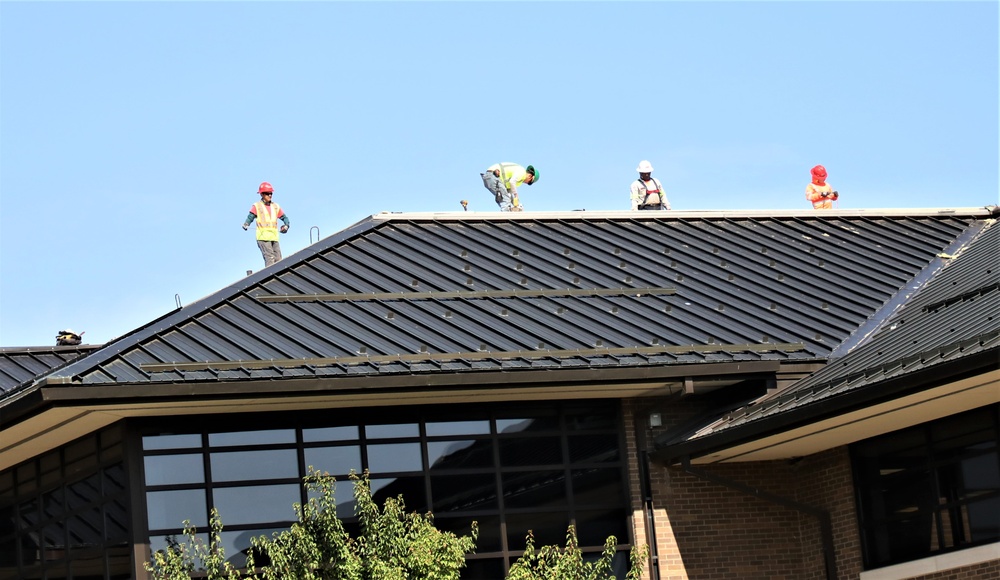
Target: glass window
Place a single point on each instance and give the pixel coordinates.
(593, 448)
(489, 530)
(169, 509)
(392, 431)
(348, 433)
(268, 503)
(594, 526)
(443, 428)
(191, 441)
(269, 437)
(460, 454)
(335, 460)
(930, 488)
(393, 457)
(412, 489)
(169, 469)
(469, 492)
(525, 451)
(460, 480)
(549, 529)
(251, 465)
(598, 487)
(534, 489)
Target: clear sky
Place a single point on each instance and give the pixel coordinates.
(133, 135)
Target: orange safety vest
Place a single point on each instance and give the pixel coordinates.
(814, 194)
(267, 221)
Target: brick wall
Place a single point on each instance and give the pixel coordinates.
(706, 531)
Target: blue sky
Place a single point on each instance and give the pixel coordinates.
(133, 135)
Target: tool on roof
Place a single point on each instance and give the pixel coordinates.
(69, 338)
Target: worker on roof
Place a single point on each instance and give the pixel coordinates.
(819, 192)
(267, 213)
(503, 179)
(647, 191)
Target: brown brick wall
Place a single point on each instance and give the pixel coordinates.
(706, 531)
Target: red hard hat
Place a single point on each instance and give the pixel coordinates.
(265, 188)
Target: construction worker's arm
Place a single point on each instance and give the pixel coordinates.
(250, 217)
(664, 202)
(284, 220)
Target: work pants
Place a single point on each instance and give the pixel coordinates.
(270, 250)
(496, 186)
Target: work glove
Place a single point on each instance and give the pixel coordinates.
(284, 229)
(245, 226)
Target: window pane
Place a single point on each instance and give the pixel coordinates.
(251, 465)
(984, 519)
(523, 424)
(598, 487)
(489, 531)
(171, 441)
(530, 451)
(392, 431)
(483, 569)
(588, 420)
(273, 436)
(593, 448)
(460, 454)
(411, 488)
(257, 504)
(167, 469)
(168, 509)
(471, 492)
(534, 489)
(458, 428)
(594, 527)
(394, 457)
(549, 529)
(335, 460)
(349, 433)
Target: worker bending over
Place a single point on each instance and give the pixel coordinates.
(503, 179)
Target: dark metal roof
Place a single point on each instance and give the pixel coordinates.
(444, 293)
(18, 365)
(953, 318)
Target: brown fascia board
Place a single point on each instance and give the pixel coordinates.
(42, 397)
(862, 397)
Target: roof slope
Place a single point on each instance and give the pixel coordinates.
(18, 365)
(433, 293)
(953, 318)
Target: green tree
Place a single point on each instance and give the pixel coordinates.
(555, 563)
(178, 560)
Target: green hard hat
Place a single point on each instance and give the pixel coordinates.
(531, 169)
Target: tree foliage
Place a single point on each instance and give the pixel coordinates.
(555, 563)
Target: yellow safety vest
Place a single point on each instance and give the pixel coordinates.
(267, 221)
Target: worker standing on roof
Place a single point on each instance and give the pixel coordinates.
(503, 179)
(267, 214)
(647, 191)
(819, 192)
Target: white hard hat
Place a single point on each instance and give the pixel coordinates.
(644, 167)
